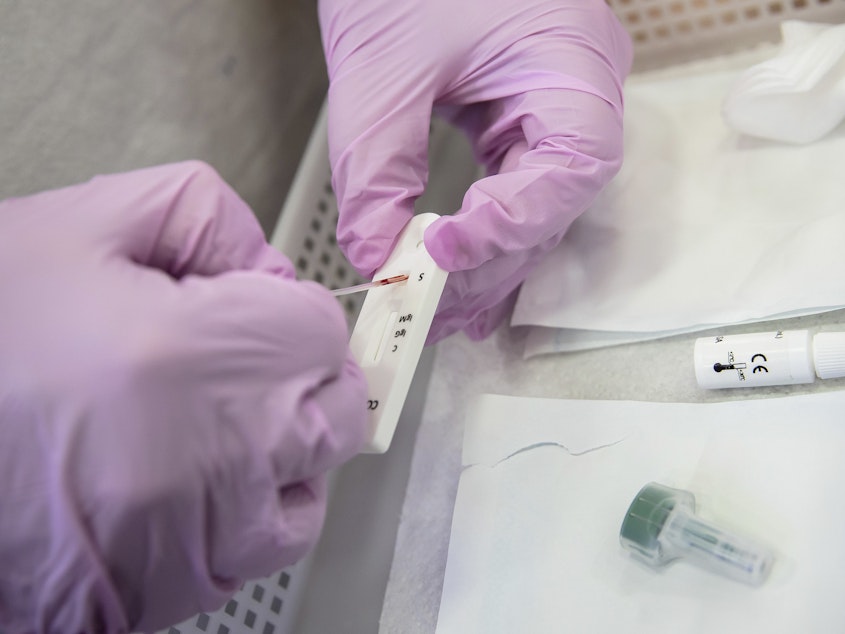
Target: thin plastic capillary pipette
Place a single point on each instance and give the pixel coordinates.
(363, 287)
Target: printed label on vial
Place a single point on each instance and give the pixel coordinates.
(749, 360)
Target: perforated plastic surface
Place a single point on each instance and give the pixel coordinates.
(308, 223)
(673, 31)
(263, 606)
(664, 32)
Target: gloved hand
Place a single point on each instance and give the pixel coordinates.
(537, 86)
(170, 397)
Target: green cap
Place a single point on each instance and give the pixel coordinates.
(646, 517)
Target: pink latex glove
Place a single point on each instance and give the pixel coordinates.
(170, 397)
(537, 86)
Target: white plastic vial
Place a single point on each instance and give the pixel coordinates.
(782, 357)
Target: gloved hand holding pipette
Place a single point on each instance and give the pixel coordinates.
(170, 395)
(170, 398)
(536, 85)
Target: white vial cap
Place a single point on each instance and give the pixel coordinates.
(829, 354)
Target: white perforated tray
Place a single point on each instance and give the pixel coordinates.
(664, 32)
(673, 31)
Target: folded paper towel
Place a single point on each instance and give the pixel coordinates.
(798, 96)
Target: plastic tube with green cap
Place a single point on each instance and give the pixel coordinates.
(661, 526)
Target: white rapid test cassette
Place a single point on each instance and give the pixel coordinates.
(392, 327)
